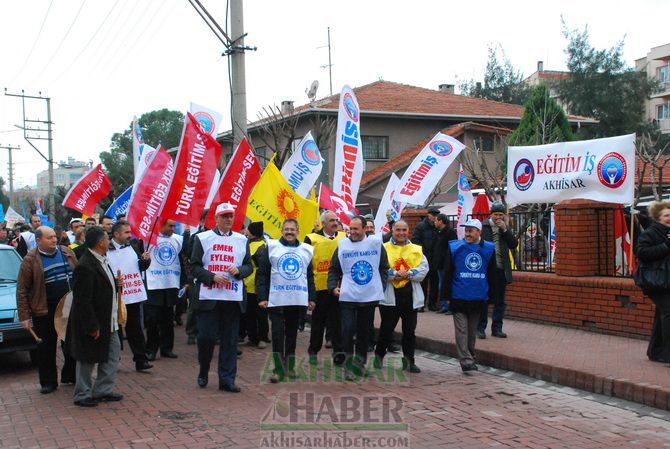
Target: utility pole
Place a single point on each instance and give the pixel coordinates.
(9, 149)
(37, 127)
(329, 65)
(239, 94)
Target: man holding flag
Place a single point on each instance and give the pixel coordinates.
(220, 260)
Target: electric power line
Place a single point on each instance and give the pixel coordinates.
(76, 58)
(104, 40)
(60, 44)
(32, 48)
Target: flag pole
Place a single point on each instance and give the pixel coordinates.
(632, 233)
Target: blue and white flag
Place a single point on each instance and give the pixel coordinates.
(303, 168)
(120, 205)
(138, 145)
(465, 202)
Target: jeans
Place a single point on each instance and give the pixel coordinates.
(356, 318)
(444, 303)
(223, 323)
(285, 320)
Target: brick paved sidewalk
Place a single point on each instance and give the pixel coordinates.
(604, 364)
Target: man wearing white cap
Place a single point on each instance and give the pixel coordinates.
(220, 260)
(75, 224)
(469, 267)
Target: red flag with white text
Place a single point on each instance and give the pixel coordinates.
(335, 203)
(194, 172)
(238, 180)
(86, 193)
(624, 263)
(149, 196)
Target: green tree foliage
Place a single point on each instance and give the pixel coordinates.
(162, 127)
(4, 200)
(502, 82)
(543, 121)
(602, 86)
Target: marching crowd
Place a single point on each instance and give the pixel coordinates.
(104, 284)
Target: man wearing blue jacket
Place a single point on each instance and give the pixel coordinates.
(469, 269)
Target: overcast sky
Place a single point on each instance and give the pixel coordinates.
(103, 61)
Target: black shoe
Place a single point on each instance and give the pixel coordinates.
(143, 366)
(88, 402)
(499, 334)
(660, 360)
(231, 388)
(239, 353)
(46, 389)
(202, 380)
(191, 340)
(339, 358)
(471, 367)
(151, 356)
(169, 355)
(414, 369)
(481, 335)
(394, 347)
(421, 310)
(111, 397)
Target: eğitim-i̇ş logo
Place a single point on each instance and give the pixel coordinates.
(205, 120)
(350, 106)
(441, 148)
(612, 170)
(310, 153)
(524, 174)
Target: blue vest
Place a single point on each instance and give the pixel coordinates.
(471, 262)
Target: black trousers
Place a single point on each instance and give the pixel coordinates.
(46, 351)
(659, 343)
(159, 322)
(403, 310)
(325, 314)
(285, 321)
(135, 333)
(356, 319)
(256, 320)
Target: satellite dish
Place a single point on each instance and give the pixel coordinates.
(311, 92)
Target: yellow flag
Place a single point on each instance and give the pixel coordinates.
(273, 200)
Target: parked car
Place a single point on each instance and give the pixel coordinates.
(12, 336)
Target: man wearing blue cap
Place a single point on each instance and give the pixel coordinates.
(469, 267)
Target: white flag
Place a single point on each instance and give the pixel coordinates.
(303, 168)
(348, 168)
(427, 169)
(465, 201)
(209, 120)
(138, 146)
(387, 203)
(142, 164)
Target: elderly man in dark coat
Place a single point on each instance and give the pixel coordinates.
(93, 326)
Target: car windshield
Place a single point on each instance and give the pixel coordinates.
(10, 262)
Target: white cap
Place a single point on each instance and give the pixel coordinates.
(226, 208)
(76, 219)
(472, 223)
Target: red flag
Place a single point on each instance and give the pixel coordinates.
(624, 263)
(86, 193)
(148, 197)
(481, 209)
(241, 175)
(197, 162)
(335, 203)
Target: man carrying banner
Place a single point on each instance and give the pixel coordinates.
(469, 268)
(403, 295)
(27, 238)
(256, 318)
(495, 230)
(357, 275)
(220, 260)
(285, 285)
(165, 276)
(426, 235)
(327, 308)
(131, 261)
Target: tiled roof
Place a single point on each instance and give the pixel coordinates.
(404, 159)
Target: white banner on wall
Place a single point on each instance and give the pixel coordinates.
(599, 170)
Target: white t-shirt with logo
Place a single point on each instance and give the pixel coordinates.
(288, 275)
(360, 269)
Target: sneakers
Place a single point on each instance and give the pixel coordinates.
(143, 366)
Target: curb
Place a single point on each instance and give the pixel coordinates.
(641, 393)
